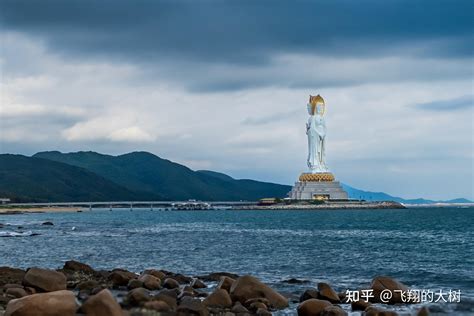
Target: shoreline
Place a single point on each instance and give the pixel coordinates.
(84, 290)
(47, 209)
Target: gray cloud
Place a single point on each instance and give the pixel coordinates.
(464, 102)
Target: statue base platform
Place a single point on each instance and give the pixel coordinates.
(317, 186)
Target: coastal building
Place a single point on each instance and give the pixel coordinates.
(319, 182)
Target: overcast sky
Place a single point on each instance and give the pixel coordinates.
(223, 85)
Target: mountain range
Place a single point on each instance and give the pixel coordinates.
(90, 176)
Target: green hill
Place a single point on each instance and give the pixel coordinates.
(30, 179)
(145, 172)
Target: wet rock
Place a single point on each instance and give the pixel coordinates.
(256, 306)
(216, 276)
(45, 280)
(374, 311)
(16, 292)
(170, 283)
(150, 282)
(73, 265)
(138, 296)
(134, 283)
(247, 287)
(182, 279)
(159, 306)
(333, 311)
(11, 275)
(57, 303)
(87, 286)
(309, 294)
(198, 284)
(121, 277)
(312, 307)
(12, 285)
(239, 308)
(218, 298)
(225, 283)
(327, 293)
(360, 305)
(262, 312)
(382, 283)
(48, 223)
(295, 281)
(156, 273)
(192, 306)
(103, 303)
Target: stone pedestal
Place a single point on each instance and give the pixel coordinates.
(318, 186)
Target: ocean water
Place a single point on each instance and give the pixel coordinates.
(425, 248)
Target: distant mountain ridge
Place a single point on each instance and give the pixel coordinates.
(90, 176)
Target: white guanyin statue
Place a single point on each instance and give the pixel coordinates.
(316, 131)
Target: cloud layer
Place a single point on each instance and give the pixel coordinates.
(223, 85)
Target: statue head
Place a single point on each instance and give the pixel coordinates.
(316, 105)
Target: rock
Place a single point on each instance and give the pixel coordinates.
(263, 312)
(218, 298)
(257, 305)
(312, 307)
(382, 283)
(198, 284)
(168, 299)
(16, 292)
(333, 311)
(216, 276)
(47, 223)
(134, 283)
(247, 287)
(225, 283)
(103, 303)
(57, 303)
(150, 282)
(239, 308)
(182, 279)
(295, 281)
(159, 306)
(72, 265)
(121, 277)
(88, 285)
(192, 306)
(424, 311)
(45, 280)
(138, 296)
(12, 285)
(170, 284)
(309, 294)
(327, 293)
(374, 311)
(11, 275)
(259, 300)
(360, 305)
(156, 273)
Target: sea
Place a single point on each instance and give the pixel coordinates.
(429, 249)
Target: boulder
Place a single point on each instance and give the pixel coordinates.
(45, 280)
(138, 296)
(327, 293)
(16, 292)
(150, 282)
(247, 287)
(48, 223)
(192, 306)
(225, 283)
(182, 279)
(218, 298)
(263, 312)
(309, 294)
(360, 305)
(121, 277)
(103, 303)
(198, 284)
(239, 308)
(159, 306)
(333, 310)
(382, 283)
(134, 283)
(73, 265)
(156, 273)
(11, 275)
(312, 307)
(57, 303)
(168, 299)
(257, 305)
(170, 283)
(216, 276)
(87, 286)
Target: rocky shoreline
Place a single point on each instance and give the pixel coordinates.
(78, 289)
